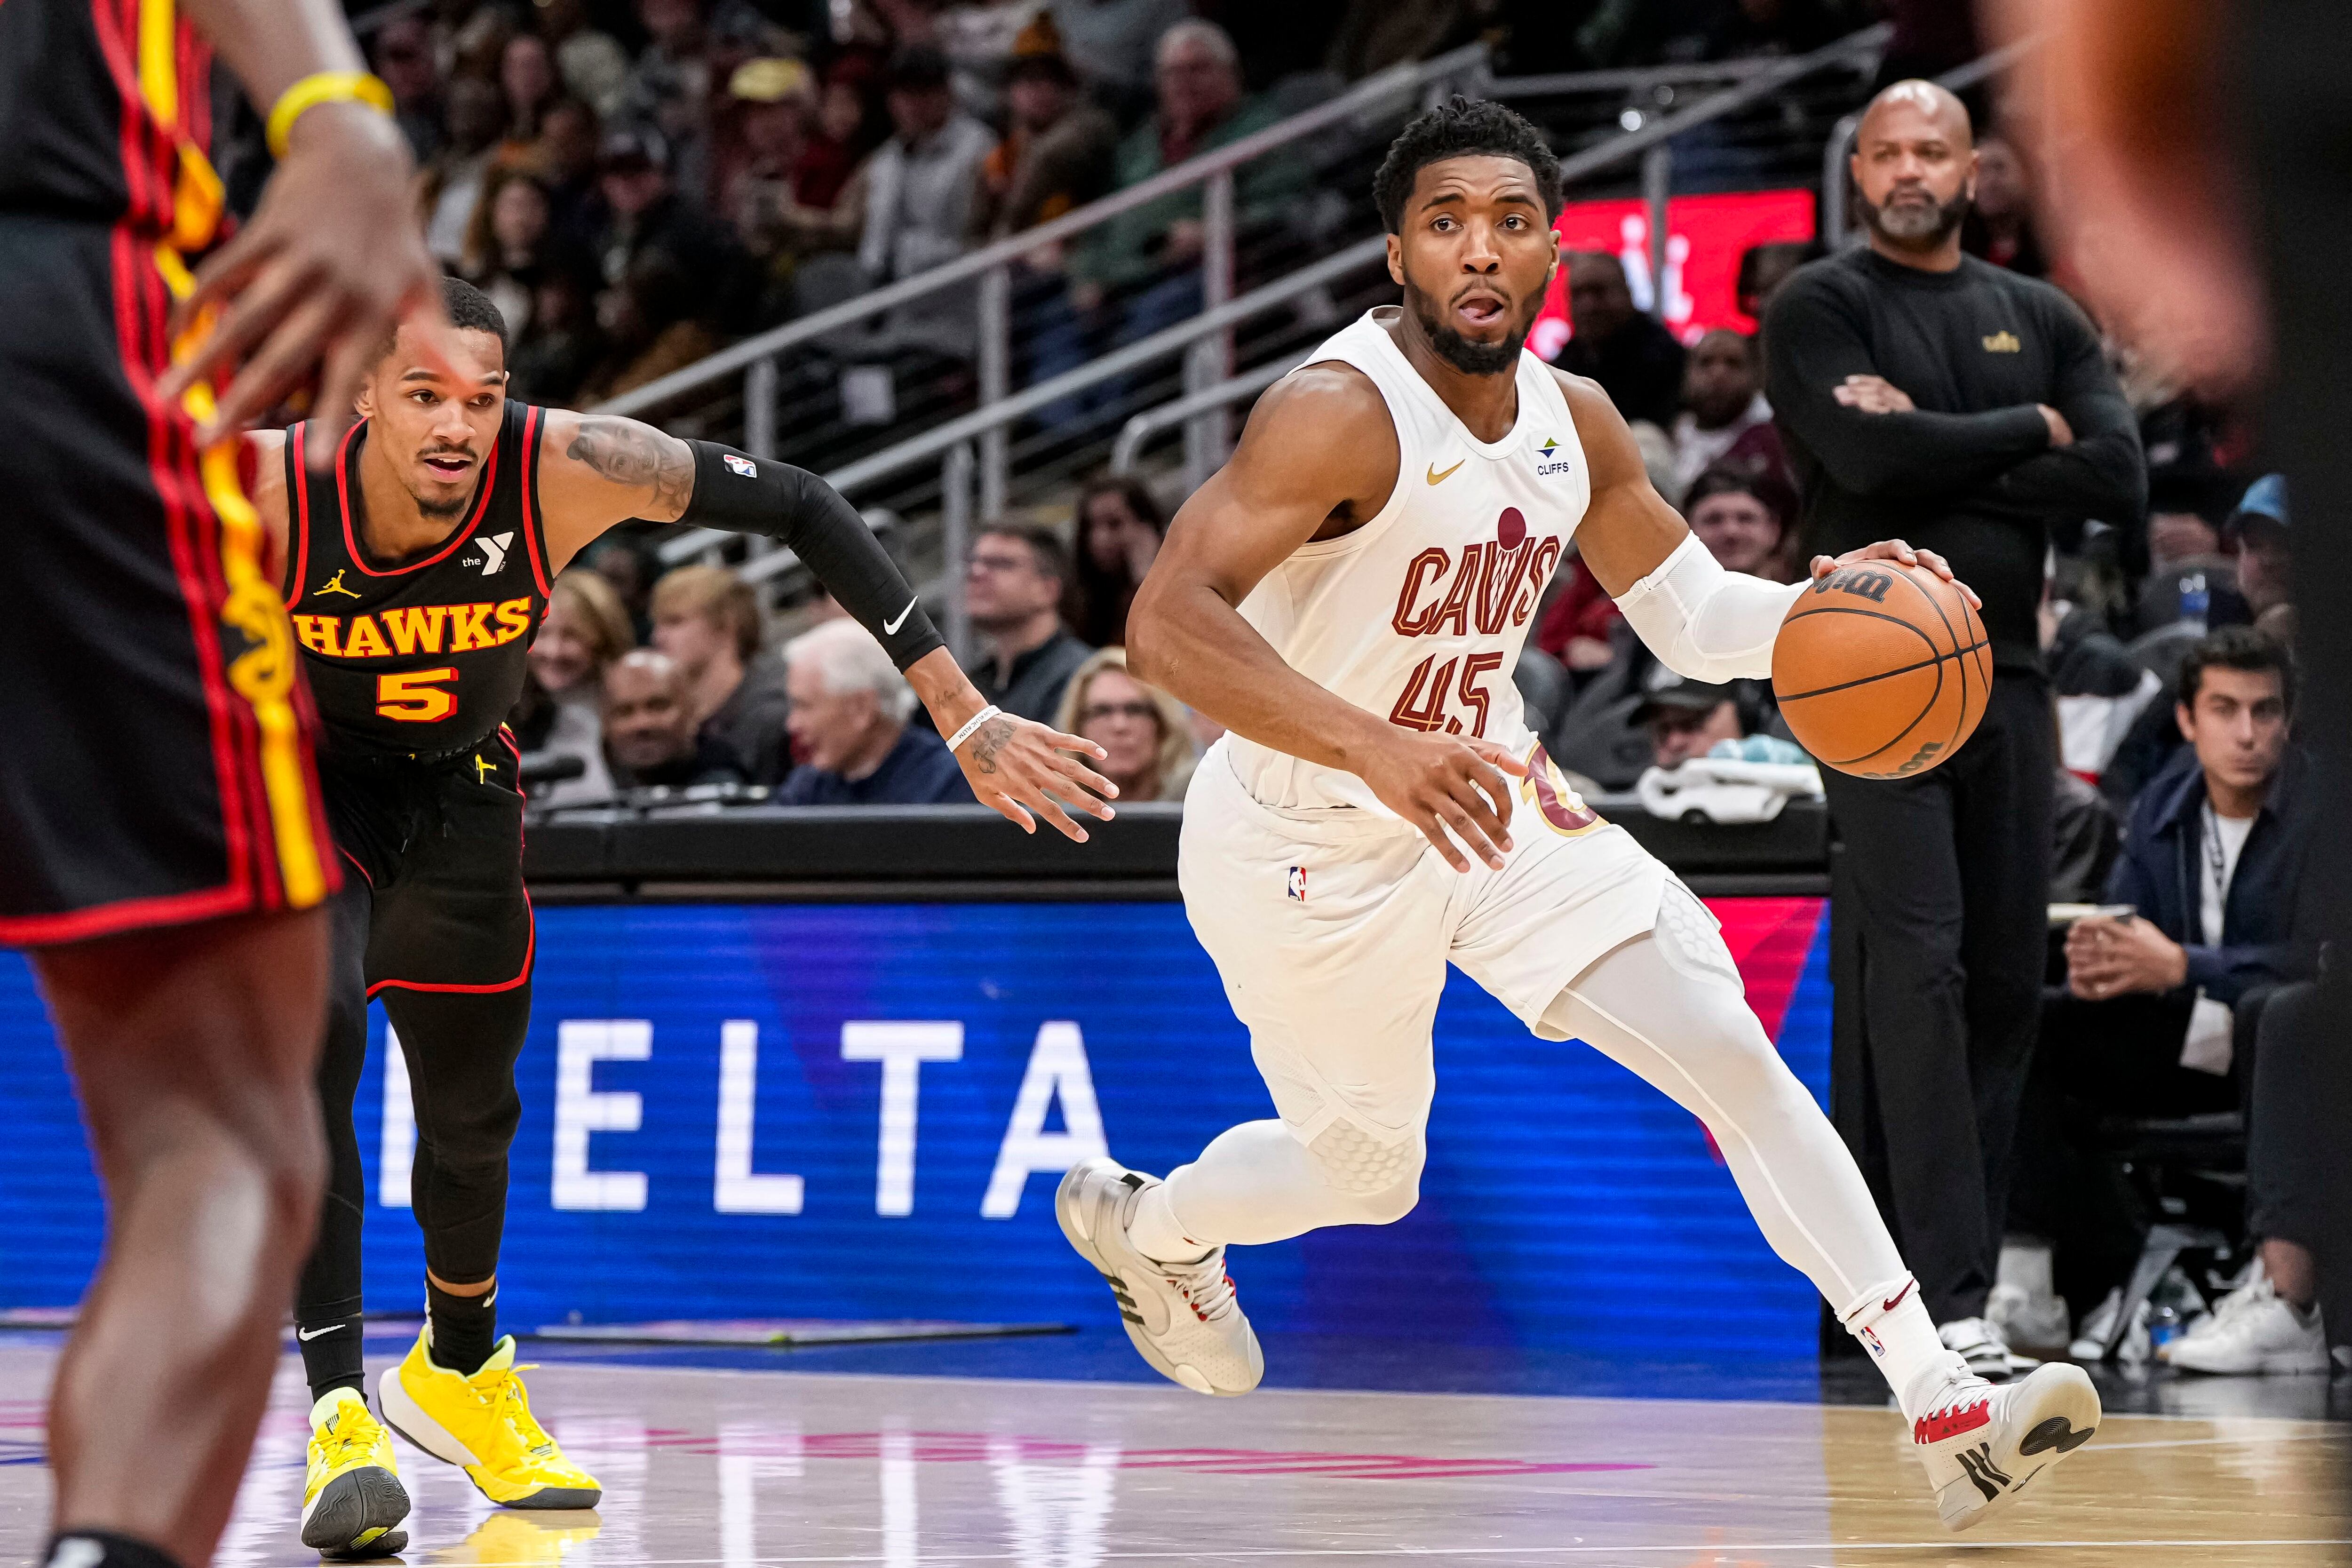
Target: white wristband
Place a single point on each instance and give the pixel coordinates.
(972, 724)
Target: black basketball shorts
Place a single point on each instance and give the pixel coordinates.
(155, 736)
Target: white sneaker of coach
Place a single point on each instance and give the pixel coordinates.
(1183, 1317)
(1984, 1347)
(1982, 1443)
(2252, 1329)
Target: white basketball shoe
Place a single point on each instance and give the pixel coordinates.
(1982, 1443)
(2252, 1329)
(1183, 1317)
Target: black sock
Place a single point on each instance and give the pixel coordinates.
(465, 1328)
(103, 1549)
(330, 1348)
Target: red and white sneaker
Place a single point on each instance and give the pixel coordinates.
(1982, 1444)
(1183, 1317)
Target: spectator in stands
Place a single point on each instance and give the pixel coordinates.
(2265, 564)
(655, 230)
(849, 126)
(850, 708)
(1689, 718)
(1012, 592)
(1119, 527)
(1058, 150)
(2272, 1324)
(1111, 42)
(593, 66)
(1144, 730)
(562, 345)
(561, 712)
(527, 78)
(1723, 404)
(404, 59)
(669, 86)
(1637, 361)
(2144, 1025)
(2000, 226)
(649, 731)
(707, 619)
(923, 197)
(1152, 253)
(452, 183)
(569, 145)
(2190, 578)
(624, 559)
(1906, 418)
(753, 166)
(647, 328)
(1743, 516)
(505, 241)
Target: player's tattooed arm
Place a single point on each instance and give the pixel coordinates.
(595, 470)
(639, 458)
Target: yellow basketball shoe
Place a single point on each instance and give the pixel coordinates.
(484, 1423)
(352, 1495)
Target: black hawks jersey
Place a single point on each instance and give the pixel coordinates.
(425, 658)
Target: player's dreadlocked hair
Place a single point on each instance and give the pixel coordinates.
(1464, 127)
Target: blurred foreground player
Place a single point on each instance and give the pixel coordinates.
(161, 846)
(1348, 597)
(418, 570)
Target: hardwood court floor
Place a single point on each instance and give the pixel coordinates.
(710, 1469)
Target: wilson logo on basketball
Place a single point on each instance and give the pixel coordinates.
(1859, 582)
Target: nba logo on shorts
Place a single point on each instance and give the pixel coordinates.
(742, 466)
(1298, 883)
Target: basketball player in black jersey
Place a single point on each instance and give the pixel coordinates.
(417, 571)
(160, 847)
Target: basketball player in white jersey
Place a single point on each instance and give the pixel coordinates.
(1349, 597)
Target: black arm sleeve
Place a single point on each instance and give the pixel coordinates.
(739, 494)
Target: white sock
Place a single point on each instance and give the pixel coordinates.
(1155, 1233)
(1901, 1338)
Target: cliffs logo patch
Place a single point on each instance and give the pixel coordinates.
(1296, 884)
(2003, 342)
(744, 466)
(1551, 459)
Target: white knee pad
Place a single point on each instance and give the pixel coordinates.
(1382, 1181)
(1690, 940)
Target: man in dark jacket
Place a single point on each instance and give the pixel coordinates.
(1637, 361)
(2148, 1021)
(1926, 395)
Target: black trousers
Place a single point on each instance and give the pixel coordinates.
(435, 924)
(1948, 889)
(2120, 1056)
(2289, 1123)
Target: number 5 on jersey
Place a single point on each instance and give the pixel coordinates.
(415, 696)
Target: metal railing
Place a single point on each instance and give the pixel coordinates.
(1837, 191)
(1126, 451)
(990, 269)
(960, 442)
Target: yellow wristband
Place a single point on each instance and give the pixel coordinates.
(318, 88)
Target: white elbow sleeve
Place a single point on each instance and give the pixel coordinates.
(1707, 623)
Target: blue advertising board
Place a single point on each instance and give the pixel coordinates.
(861, 1111)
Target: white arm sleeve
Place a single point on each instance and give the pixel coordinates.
(1707, 623)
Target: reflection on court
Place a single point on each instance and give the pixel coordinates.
(733, 1470)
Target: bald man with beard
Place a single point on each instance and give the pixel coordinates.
(1926, 395)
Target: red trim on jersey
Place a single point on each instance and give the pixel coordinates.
(298, 480)
(355, 865)
(531, 424)
(123, 915)
(486, 484)
(530, 913)
(122, 65)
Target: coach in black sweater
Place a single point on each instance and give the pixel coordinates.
(1926, 395)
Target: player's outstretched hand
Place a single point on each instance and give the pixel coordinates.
(1895, 550)
(332, 263)
(1024, 771)
(1451, 787)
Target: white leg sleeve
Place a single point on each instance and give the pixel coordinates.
(1257, 1183)
(1670, 1006)
(1707, 623)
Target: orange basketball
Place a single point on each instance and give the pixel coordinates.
(1882, 669)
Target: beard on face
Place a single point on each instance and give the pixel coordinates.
(436, 507)
(1926, 224)
(1469, 358)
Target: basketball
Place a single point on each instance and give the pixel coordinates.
(1882, 669)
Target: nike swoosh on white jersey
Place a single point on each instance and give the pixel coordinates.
(893, 625)
(307, 1335)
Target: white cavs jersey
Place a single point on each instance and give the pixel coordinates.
(1419, 616)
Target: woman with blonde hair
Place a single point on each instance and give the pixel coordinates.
(1146, 732)
(560, 712)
